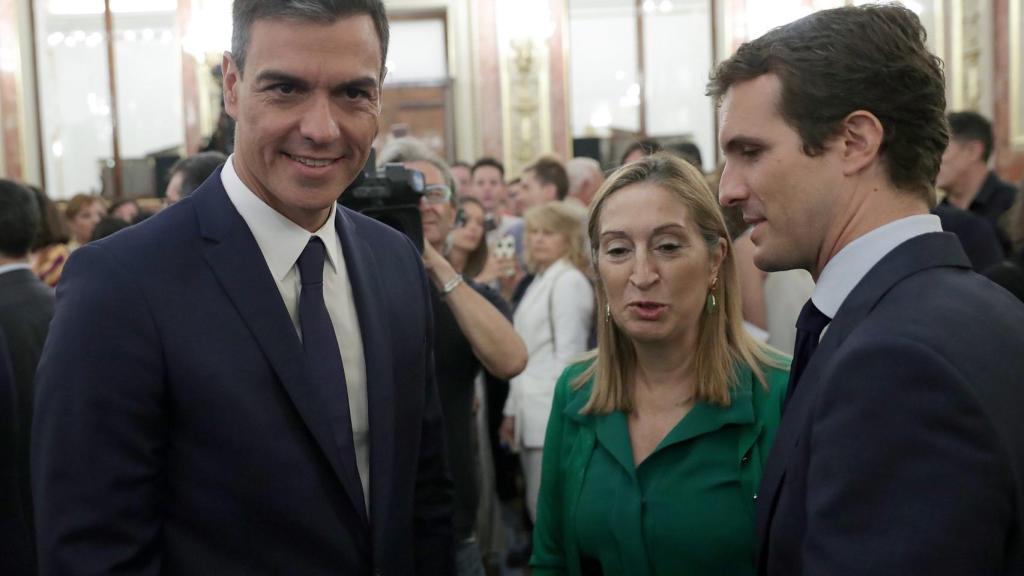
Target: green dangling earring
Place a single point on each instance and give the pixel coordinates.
(710, 303)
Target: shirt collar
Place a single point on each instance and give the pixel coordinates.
(280, 239)
(15, 266)
(847, 268)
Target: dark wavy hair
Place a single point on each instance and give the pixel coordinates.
(835, 62)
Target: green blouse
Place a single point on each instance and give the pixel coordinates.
(687, 510)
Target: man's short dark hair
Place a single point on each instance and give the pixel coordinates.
(488, 161)
(551, 171)
(245, 12)
(971, 126)
(19, 219)
(647, 146)
(838, 61)
(196, 169)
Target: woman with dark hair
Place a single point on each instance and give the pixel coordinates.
(467, 245)
(49, 250)
(656, 441)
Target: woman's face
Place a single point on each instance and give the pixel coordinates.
(546, 246)
(655, 267)
(85, 221)
(468, 236)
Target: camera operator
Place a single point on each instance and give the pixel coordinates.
(471, 329)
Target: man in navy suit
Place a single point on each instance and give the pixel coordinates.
(901, 447)
(244, 383)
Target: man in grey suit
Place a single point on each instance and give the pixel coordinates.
(26, 307)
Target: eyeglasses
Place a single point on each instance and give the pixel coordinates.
(437, 194)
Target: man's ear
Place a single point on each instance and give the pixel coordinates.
(861, 139)
(975, 150)
(232, 76)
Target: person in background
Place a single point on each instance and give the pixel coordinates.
(471, 331)
(690, 152)
(81, 214)
(1010, 273)
(978, 237)
(554, 318)
(16, 551)
(49, 250)
(126, 210)
(187, 174)
(901, 445)
(965, 176)
(467, 243)
(463, 174)
(513, 194)
(543, 181)
(585, 177)
(26, 309)
(107, 226)
(657, 439)
(489, 186)
(503, 230)
(638, 150)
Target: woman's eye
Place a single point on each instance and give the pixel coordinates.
(617, 251)
(668, 248)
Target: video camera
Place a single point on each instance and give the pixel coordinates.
(390, 195)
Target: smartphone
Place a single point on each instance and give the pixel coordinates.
(506, 247)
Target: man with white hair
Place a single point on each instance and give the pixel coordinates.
(585, 177)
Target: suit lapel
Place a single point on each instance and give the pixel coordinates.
(367, 287)
(917, 254)
(239, 265)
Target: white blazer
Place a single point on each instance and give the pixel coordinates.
(568, 295)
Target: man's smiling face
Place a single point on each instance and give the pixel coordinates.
(307, 108)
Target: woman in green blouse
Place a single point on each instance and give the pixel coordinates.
(655, 444)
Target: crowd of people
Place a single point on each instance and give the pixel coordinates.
(807, 362)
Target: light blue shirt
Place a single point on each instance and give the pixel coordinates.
(847, 268)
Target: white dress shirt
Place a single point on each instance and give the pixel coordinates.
(282, 241)
(847, 268)
(15, 266)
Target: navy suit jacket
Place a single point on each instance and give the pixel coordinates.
(901, 450)
(177, 433)
(15, 543)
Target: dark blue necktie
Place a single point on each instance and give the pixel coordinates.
(809, 326)
(323, 358)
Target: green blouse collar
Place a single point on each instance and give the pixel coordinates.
(613, 431)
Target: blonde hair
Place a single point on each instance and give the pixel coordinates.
(560, 219)
(722, 343)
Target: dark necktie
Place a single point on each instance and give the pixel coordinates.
(809, 326)
(323, 358)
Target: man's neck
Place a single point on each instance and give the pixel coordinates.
(962, 192)
(867, 212)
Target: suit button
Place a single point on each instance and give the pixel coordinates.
(745, 459)
(755, 497)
